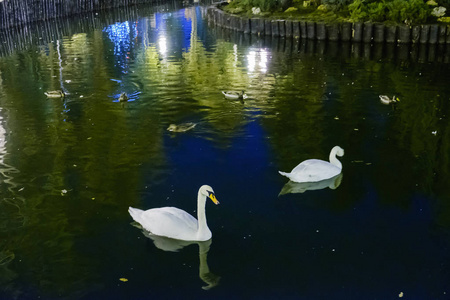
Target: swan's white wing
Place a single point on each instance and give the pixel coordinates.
(168, 221)
(313, 170)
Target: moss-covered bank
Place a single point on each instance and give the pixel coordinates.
(335, 30)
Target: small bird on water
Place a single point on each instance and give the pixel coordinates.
(181, 127)
(386, 100)
(55, 94)
(123, 97)
(233, 95)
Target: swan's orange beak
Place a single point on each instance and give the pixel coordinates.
(213, 198)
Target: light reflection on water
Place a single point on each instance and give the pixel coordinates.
(71, 167)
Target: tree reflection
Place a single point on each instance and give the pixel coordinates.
(102, 154)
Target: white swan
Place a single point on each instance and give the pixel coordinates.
(175, 223)
(313, 170)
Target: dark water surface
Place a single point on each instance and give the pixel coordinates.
(71, 167)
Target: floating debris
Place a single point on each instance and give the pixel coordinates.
(361, 162)
(6, 257)
(123, 279)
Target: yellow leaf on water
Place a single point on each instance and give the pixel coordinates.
(123, 279)
(400, 295)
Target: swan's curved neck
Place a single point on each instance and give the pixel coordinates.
(201, 215)
(334, 160)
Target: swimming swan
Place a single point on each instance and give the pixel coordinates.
(313, 170)
(175, 223)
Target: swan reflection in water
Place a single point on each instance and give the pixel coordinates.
(300, 187)
(173, 245)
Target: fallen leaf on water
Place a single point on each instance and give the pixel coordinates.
(400, 295)
(123, 279)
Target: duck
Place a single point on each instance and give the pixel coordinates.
(233, 95)
(55, 94)
(175, 223)
(123, 97)
(314, 170)
(386, 100)
(181, 127)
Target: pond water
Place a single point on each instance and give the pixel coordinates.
(70, 167)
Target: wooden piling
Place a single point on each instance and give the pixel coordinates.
(378, 33)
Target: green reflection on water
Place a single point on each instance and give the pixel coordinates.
(71, 167)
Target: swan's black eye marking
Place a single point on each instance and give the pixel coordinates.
(210, 193)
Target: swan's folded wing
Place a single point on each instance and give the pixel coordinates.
(169, 221)
(313, 170)
(307, 165)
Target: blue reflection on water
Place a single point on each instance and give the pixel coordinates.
(120, 35)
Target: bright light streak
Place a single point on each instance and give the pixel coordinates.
(251, 58)
(162, 45)
(264, 59)
(257, 60)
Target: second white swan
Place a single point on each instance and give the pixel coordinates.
(313, 170)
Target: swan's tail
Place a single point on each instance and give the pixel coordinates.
(135, 213)
(284, 174)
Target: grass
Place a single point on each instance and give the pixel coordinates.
(296, 12)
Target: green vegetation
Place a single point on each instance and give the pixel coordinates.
(393, 11)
